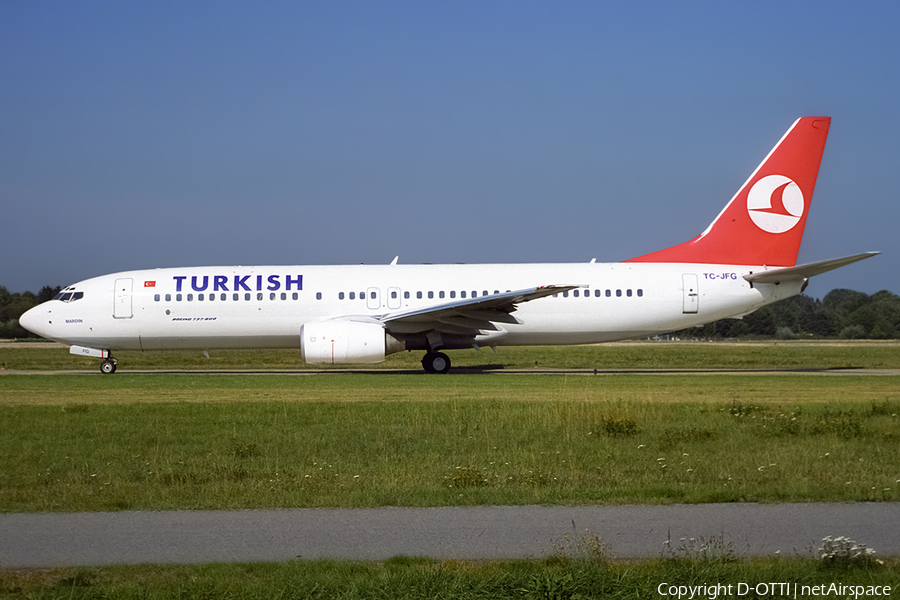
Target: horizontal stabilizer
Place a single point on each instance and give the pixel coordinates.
(805, 271)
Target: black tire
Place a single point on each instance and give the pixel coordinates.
(436, 362)
(108, 367)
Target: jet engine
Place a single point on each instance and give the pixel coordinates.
(346, 341)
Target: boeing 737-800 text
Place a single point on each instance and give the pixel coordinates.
(359, 314)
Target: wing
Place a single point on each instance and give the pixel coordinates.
(468, 318)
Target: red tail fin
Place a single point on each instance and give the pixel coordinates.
(763, 224)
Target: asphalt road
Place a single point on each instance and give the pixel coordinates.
(93, 539)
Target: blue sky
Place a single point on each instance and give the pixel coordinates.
(140, 135)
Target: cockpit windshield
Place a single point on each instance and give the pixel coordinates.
(69, 295)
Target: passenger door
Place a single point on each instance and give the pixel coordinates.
(122, 304)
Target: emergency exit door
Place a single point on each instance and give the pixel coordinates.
(373, 299)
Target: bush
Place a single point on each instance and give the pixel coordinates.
(853, 332)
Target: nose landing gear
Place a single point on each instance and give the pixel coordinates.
(107, 367)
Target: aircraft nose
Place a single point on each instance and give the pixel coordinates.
(36, 320)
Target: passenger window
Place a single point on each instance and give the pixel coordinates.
(177, 297)
(453, 294)
(156, 297)
(283, 295)
(190, 297)
(462, 294)
(353, 295)
(474, 293)
(259, 296)
(618, 293)
(608, 293)
(575, 293)
(628, 293)
(430, 295)
(419, 295)
(441, 294)
(640, 293)
(272, 296)
(247, 297)
(318, 295)
(596, 293)
(168, 297)
(294, 296)
(566, 294)
(340, 295)
(393, 295)
(362, 295)
(406, 295)
(484, 293)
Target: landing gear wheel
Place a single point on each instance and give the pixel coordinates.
(108, 367)
(436, 362)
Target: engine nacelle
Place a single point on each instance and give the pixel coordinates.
(346, 341)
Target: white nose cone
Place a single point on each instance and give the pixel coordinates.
(37, 320)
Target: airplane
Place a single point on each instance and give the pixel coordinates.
(358, 314)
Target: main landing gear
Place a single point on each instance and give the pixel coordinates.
(108, 366)
(436, 362)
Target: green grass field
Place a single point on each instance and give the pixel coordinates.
(206, 439)
(76, 442)
(405, 578)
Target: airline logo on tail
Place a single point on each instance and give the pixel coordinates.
(763, 223)
(775, 204)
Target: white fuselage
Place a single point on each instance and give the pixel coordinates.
(266, 307)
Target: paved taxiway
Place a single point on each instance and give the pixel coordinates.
(83, 539)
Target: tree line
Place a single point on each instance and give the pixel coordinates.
(844, 314)
(12, 306)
